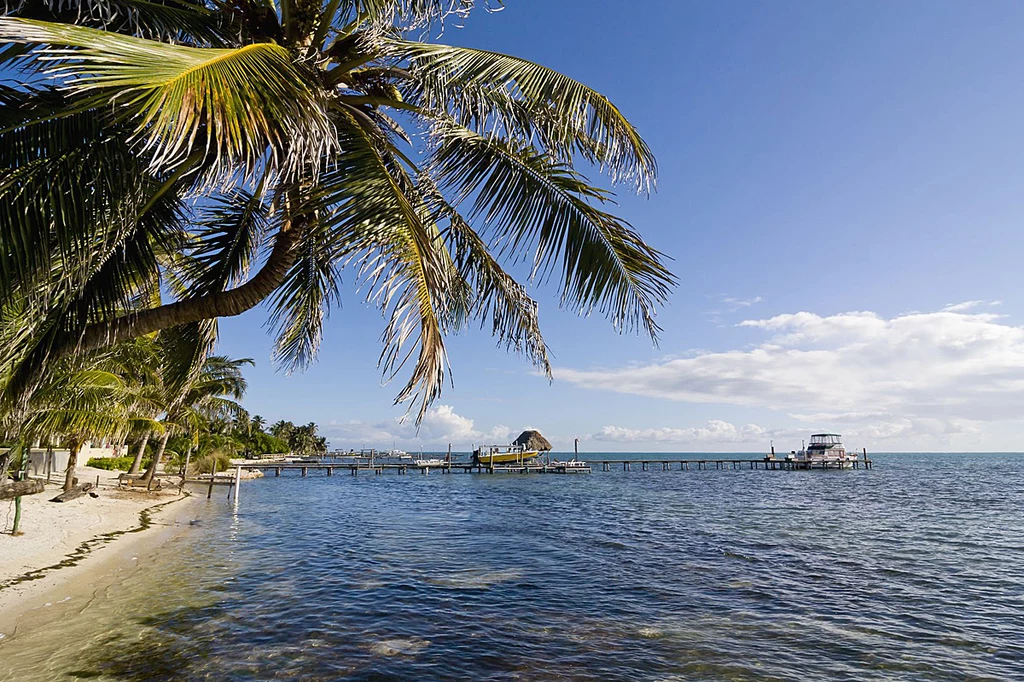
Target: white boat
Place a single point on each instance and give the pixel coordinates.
(430, 462)
(573, 466)
(824, 450)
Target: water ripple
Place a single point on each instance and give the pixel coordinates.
(911, 571)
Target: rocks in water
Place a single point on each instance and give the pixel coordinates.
(400, 646)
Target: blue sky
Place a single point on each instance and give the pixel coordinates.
(816, 160)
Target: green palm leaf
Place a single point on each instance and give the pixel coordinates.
(497, 296)
(229, 232)
(374, 211)
(239, 104)
(493, 91)
(533, 204)
(181, 21)
(304, 300)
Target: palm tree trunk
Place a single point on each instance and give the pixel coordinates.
(69, 476)
(211, 306)
(137, 462)
(221, 304)
(151, 471)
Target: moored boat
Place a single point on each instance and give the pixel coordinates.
(431, 462)
(491, 455)
(571, 466)
(825, 450)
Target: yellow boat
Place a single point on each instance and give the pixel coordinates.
(491, 455)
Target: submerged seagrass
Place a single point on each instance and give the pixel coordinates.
(717, 575)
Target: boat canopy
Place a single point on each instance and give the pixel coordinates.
(826, 439)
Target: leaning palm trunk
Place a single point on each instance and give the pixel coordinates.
(137, 462)
(157, 457)
(69, 476)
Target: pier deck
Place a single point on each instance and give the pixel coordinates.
(354, 468)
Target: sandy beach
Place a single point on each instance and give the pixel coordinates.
(75, 541)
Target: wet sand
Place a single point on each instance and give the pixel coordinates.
(67, 547)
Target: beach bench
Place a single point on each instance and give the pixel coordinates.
(133, 480)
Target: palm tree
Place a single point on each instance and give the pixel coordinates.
(282, 429)
(83, 398)
(196, 398)
(319, 135)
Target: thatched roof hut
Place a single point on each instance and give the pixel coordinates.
(532, 440)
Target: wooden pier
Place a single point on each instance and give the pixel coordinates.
(354, 469)
(377, 469)
(765, 463)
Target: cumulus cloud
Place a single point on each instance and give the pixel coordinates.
(441, 425)
(715, 432)
(945, 372)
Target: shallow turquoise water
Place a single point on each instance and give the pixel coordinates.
(913, 570)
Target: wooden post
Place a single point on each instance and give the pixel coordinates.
(184, 472)
(330, 471)
(277, 471)
(213, 473)
(15, 530)
(303, 471)
(238, 482)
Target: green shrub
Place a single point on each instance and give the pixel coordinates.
(114, 463)
(222, 460)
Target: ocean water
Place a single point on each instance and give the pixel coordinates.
(913, 570)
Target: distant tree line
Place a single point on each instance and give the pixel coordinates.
(302, 440)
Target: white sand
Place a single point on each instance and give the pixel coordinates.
(52, 531)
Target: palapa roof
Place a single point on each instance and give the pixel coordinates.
(532, 440)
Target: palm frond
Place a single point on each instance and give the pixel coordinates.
(47, 223)
(497, 296)
(242, 105)
(485, 89)
(302, 303)
(114, 280)
(409, 14)
(177, 20)
(531, 203)
(376, 213)
(229, 231)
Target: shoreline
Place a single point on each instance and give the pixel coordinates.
(80, 547)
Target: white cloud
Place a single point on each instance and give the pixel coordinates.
(441, 425)
(737, 303)
(729, 304)
(968, 305)
(939, 374)
(714, 432)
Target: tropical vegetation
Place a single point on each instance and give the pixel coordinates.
(170, 162)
